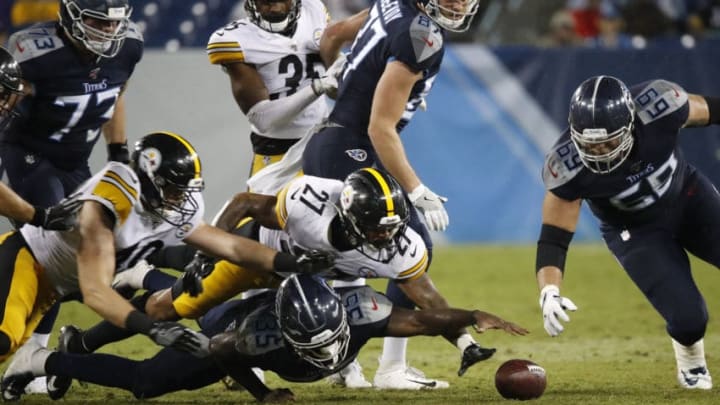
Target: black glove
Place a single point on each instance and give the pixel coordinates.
(473, 354)
(118, 152)
(59, 217)
(179, 337)
(314, 261)
(199, 267)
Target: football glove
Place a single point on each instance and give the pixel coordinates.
(553, 308)
(431, 206)
(179, 337)
(328, 82)
(59, 217)
(473, 354)
(314, 261)
(200, 267)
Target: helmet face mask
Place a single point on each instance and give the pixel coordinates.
(170, 175)
(374, 213)
(313, 320)
(100, 25)
(602, 113)
(452, 15)
(266, 15)
(11, 87)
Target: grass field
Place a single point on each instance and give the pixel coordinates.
(614, 351)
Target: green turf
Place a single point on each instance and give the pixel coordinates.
(615, 350)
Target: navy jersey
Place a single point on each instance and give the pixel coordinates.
(394, 30)
(653, 174)
(260, 341)
(72, 97)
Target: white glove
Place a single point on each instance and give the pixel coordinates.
(431, 205)
(328, 82)
(553, 309)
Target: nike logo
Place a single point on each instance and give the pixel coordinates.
(428, 41)
(375, 305)
(20, 48)
(550, 169)
(414, 252)
(294, 195)
(429, 384)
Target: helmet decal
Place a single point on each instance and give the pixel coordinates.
(150, 160)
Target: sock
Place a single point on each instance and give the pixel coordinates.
(393, 352)
(102, 369)
(688, 357)
(355, 283)
(47, 322)
(156, 280)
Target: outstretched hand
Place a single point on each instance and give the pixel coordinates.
(485, 321)
(59, 217)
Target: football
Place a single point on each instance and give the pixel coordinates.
(520, 379)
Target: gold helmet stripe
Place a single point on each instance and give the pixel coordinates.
(196, 159)
(385, 187)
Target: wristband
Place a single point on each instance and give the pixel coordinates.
(138, 322)
(118, 152)
(552, 247)
(39, 216)
(713, 104)
(285, 263)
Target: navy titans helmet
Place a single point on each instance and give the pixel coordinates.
(115, 14)
(601, 119)
(448, 18)
(278, 23)
(374, 212)
(11, 87)
(313, 320)
(169, 171)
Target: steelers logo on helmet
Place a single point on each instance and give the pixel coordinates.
(346, 197)
(150, 160)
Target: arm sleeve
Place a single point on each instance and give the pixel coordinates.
(268, 114)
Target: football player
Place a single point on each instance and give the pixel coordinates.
(75, 70)
(128, 212)
(275, 59)
(620, 154)
(59, 217)
(276, 331)
(390, 69)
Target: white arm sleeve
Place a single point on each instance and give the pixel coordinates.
(269, 114)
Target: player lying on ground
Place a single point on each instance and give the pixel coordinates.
(276, 331)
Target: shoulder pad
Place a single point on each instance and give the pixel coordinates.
(657, 99)
(562, 164)
(134, 32)
(224, 46)
(425, 36)
(119, 187)
(33, 42)
(365, 305)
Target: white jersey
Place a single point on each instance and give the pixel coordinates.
(137, 233)
(284, 63)
(305, 210)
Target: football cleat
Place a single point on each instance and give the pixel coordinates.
(133, 277)
(695, 378)
(404, 377)
(27, 363)
(68, 342)
(350, 377)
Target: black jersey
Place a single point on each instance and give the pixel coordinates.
(260, 341)
(653, 174)
(72, 97)
(394, 30)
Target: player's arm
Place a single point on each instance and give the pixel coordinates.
(391, 96)
(13, 206)
(115, 133)
(432, 322)
(704, 111)
(559, 219)
(339, 33)
(242, 205)
(59, 217)
(253, 98)
(227, 351)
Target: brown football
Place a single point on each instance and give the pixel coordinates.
(520, 379)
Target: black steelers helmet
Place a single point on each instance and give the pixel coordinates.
(169, 170)
(601, 119)
(313, 320)
(374, 211)
(274, 22)
(11, 87)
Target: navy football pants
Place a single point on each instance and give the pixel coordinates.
(334, 153)
(655, 256)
